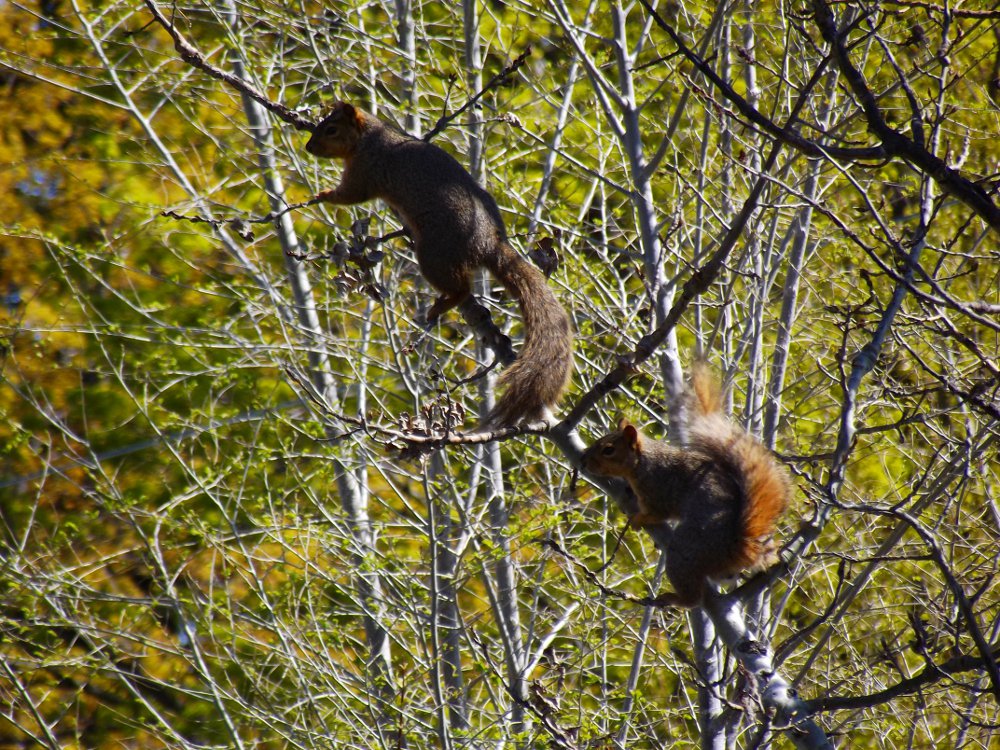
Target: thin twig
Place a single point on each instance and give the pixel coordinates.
(495, 81)
(190, 54)
(929, 675)
(784, 134)
(618, 544)
(239, 224)
(895, 143)
(590, 575)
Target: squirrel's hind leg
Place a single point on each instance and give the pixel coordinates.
(449, 277)
(444, 303)
(690, 557)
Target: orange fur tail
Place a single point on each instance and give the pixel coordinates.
(705, 389)
(764, 484)
(766, 489)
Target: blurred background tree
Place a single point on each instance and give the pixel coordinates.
(209, 534)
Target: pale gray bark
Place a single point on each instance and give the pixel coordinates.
(406, 38)
(503, 586)
(369, 587)
(445, 625)
(638, 664)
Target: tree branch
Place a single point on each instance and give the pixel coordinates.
(697, 283)
(955, 12)
(894, 143)
(192, 56)
(929, 675)
(785, 134)
(495, 81)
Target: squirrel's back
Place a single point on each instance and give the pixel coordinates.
(435, 197)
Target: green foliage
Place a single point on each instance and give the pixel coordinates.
(181, 566)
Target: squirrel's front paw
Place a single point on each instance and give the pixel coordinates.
(321, 196)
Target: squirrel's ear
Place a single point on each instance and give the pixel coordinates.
(631, 436)
(622, 424)
(351, 114)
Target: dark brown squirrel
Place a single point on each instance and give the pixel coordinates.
(456, 227)
(725, 491)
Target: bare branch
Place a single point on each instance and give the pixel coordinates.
(894, 143)
(943, 10)
(190, 54)
(495, 81)
(699, 281)
(929, 675)
(987, 653)
(784, 134)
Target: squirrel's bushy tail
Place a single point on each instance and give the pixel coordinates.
(533, 384)
(764, 485)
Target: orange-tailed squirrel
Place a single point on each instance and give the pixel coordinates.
(455, 226)
(725, 491)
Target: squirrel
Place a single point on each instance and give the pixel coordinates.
(456, 227)
(724, 490)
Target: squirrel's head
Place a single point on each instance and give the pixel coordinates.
(616, 454)
(337, 135)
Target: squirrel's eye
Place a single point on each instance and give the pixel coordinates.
(608, 450)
